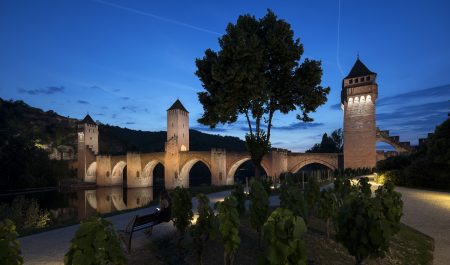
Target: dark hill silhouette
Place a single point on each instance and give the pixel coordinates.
(18, 118)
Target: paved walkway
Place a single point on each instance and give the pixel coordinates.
(429, 212)
(49, 247)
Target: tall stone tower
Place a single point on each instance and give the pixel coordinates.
(178, 125)
(358, 97)
(177, 141)
(87, 144)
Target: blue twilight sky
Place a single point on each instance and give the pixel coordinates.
(126, 62)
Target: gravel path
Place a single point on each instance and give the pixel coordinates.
(49, 247)
(429, 212)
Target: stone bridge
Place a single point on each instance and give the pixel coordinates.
(139, 167)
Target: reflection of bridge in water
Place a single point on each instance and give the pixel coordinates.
(111, 199)
(358, 97)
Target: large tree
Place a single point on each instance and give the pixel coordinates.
(329, 144)
(256, 73)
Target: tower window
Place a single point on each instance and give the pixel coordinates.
(367, 78)
(361, 79)
(351, 81)
(356, 80)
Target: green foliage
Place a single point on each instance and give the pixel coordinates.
(327, 208)
(427, 168)
(291, 197)
(365, 224)
(329, 144)
(343, 188)
(259, 206)
(393, 163)
(202, 229)
(229, 228)
(364, 187)
(95, 242)
(312, 194)
(392, 204)
(239, 194)
(267, 183)
(9, 245)
(25, 213)
(283, 233)
(24, 165)
(181, 210)
(256, 73)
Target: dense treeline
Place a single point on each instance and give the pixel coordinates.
(329, 144)
(429, 167)
(25, 165)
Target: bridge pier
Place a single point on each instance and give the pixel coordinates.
(219, 168)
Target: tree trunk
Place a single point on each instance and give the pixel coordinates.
(328, 228)
(257, 171)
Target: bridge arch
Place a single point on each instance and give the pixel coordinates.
(91, 197)
(303, 163)
(91, 173)
(399, 149)
(183, 178)
(118, 173)
(236, 165)
(147, 172)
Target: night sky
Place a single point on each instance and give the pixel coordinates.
(126, 62)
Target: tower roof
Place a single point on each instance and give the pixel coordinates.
(178, 105)
(88, 120)
(359, 69)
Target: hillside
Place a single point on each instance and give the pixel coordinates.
(18, 118)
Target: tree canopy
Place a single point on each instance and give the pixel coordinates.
(256, 73)
(329, 144)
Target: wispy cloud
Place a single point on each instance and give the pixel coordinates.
(336, 106)
(82, 102)
(147, 14)
(42, 91)
(207, 129)
(434, 92)
(298, 126)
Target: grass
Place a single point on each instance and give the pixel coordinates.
(407, 247)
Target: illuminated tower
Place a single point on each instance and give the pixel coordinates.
(178, 126)
(358, 97)
(87, 144)
(177, 141)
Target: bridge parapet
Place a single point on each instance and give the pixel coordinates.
(400, 147)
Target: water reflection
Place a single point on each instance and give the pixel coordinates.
(111, 199)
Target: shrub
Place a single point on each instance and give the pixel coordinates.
(365, 187)
(203, 227)
(267, 183)
(229, 228)
(95, 242)
(312, 194)
(181, 210)
(394, 162)
(362, 227)
(392, 205)
(291, 197)
(9, 245)
(327, 208)
(259, 206)
(25, 213)
(283, 234)
(239, 194)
